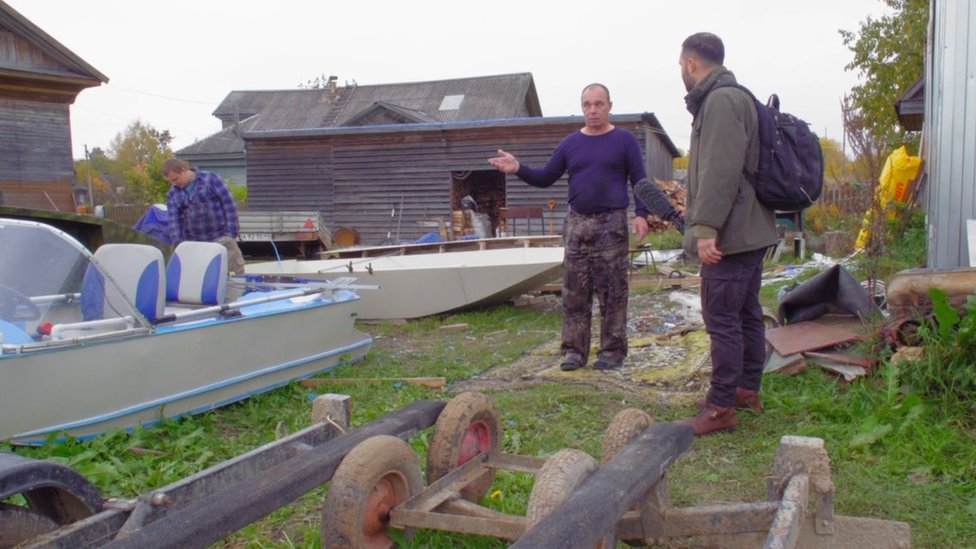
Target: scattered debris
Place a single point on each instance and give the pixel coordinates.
(908, 354)
(454, 327)
(809, 335)
(833, 291)
(790, 364)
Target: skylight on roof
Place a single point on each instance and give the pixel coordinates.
(451, 102)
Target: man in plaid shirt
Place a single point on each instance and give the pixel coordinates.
(202, 209)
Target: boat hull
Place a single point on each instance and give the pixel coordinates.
(84, 390)
(413, 286)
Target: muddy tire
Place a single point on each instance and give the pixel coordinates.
(19, 524)
(376, 476)
(627, 425)
(468, 426)
(555, 481)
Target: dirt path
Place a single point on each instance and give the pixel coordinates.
(668, 359)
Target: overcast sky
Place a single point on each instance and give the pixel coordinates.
(171, 63)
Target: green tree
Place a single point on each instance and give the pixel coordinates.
(681, 162)
(101, 188)
(137, 155)
(889, 56)
(837, 168)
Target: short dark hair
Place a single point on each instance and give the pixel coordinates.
(705, 46)
(174, 165)
(596, 85)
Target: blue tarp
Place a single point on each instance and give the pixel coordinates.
(154, 223)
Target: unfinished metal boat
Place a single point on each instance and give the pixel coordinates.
(416, 285)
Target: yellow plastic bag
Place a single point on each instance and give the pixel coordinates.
(894, 185)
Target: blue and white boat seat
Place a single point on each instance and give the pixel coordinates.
(137, 270)
(197, 274)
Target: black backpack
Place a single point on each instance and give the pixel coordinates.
(791, 165)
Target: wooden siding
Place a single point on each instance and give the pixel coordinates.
(48, 195)
(290, 175)
(17, 52)
(35, 155)
(388, 183)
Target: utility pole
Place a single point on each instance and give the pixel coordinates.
(91, 194)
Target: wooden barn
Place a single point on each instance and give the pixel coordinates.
(396, 180)
(39, 80)
(452, 100)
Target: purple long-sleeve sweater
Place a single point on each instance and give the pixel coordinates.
(598, 165)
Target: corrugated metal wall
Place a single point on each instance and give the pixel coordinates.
(385, 185)
(950, 131)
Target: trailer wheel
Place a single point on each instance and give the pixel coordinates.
(467, 426)
(19, 524)
(627, 425)
(555, 481)
(376, 476)
(623, 428)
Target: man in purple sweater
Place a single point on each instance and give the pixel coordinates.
(600, 158)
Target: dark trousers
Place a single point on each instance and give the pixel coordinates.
(595, 261)
(734, 321)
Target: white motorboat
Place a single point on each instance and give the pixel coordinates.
(117, 339)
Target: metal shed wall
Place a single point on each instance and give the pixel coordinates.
(950, 131)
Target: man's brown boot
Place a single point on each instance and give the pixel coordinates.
(748, 400)
(744, 400)
(712, 419)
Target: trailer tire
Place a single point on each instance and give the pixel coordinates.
(562, 473)
(19, 524)
(467, 426)
(377, 475)
(627, 425)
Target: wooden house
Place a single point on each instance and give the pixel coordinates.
(395, 181)
(452, 100)
(39, 80)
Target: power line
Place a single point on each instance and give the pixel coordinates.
(137, 92)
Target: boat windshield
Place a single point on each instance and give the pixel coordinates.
(47, 278)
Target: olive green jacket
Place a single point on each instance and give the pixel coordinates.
(721, 202)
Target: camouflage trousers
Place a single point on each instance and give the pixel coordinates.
(595, 261)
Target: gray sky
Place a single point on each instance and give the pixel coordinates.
(171, 63)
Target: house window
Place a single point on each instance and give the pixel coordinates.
(451, 102)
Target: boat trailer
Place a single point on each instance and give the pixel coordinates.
(376, 485)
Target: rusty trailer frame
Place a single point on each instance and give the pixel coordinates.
(208, 506)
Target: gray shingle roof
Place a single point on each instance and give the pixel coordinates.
(476, 98)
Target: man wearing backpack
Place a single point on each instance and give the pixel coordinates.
(727, 228)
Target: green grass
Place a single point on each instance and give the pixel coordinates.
(894, 454)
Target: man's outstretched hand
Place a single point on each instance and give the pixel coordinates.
(504, 162)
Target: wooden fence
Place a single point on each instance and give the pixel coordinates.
(846, 198)
(125, 214)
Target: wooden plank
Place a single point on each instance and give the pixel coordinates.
(212, 518)
(594, 508)
(785, 529)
